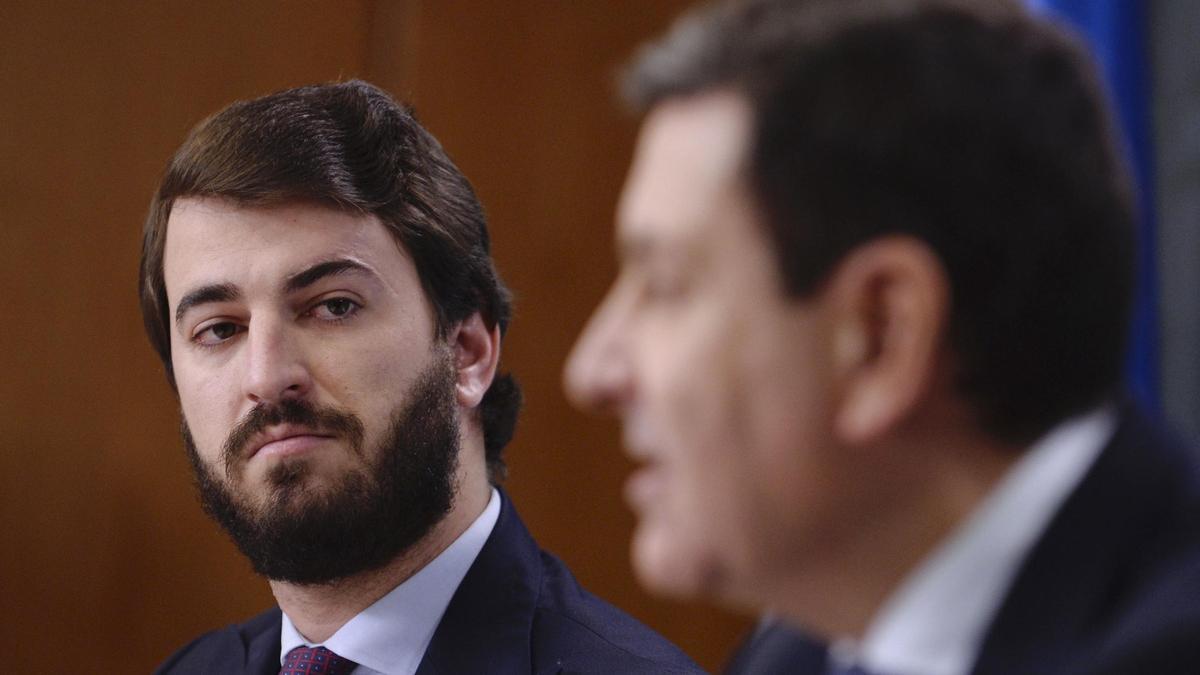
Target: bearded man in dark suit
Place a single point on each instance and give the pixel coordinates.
(316, 277)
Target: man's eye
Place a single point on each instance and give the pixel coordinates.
(217, 333)
(334, 309)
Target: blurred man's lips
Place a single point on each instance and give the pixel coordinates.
(284, 442)
(645, 486)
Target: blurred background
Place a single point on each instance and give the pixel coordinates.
(107, 564)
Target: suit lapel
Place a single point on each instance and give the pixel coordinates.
(261, 638)
(487, 626)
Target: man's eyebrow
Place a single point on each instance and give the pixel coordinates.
(205, 294)
(310, 276)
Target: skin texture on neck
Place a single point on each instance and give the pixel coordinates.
(319, 610)
(839, 594)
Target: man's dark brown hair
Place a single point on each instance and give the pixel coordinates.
(972, 126)
(349, 146)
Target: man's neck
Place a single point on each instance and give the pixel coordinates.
(319, 610)
(837, 594)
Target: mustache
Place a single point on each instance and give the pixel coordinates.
(297, 412)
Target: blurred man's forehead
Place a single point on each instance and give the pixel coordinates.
(689, 157)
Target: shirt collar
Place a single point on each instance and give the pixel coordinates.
(391, 636)
(934, 623)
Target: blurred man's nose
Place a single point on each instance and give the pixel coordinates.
(598, 374)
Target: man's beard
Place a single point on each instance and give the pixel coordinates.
(369, 516)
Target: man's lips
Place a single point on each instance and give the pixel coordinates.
(645, 486)
(648, 480)
(282, 441)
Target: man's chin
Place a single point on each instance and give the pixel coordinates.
(669, 564)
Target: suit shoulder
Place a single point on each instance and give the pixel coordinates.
(202, 654)
(1159, 630)
(218, 651)
(577, 632)
(1145, 617)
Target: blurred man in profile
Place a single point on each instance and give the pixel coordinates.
(866, 343)
(316, 277)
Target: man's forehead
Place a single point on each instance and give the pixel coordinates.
(689, 157)
(209, 237)
(216, 225)
(215, 212)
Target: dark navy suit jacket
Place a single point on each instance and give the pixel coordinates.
(518, 610)
(1112, 586)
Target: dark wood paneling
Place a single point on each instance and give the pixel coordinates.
(104, 544)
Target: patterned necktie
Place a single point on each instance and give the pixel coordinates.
(315, 661)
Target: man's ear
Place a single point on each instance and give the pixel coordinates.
(890, 300)
(476, 351)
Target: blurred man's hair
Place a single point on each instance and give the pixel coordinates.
(973, 126)
(351, 147)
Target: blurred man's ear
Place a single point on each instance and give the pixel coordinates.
(889, 300)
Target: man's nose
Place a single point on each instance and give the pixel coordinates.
(276, 366)
(598, 375)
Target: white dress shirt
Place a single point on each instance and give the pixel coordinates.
(934, 623)
(390, 636)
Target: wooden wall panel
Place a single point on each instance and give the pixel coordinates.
(103, 541)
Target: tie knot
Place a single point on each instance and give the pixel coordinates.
(315, 661)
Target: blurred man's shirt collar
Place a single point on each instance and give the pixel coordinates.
(934, 623)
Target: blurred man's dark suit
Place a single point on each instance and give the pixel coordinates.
(1112, 586)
